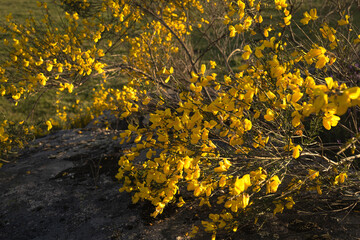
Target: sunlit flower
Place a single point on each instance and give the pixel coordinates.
(344, 21)
(340, 178)
(272, 184)
(49, 125)
(313, 174)
(296, 151)
(307, 17)
(270, 115)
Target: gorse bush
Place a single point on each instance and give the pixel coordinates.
(238, 95)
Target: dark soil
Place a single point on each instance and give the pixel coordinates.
(56, 189)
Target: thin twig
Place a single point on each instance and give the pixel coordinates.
(319, 155)
(173, 33)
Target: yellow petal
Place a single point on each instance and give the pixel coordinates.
(203, 69)
(322, 60)
(222, 181)
(247, 125)
(273, 184)
(313, 174)
(329, 82)
(296, 96)
(220, 169)
(49, 125)
(296, 151)
(269, 115)
(353, 92)
(239, 186)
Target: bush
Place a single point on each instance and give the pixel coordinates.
(237, 93)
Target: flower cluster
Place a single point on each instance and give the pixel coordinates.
(230, 96)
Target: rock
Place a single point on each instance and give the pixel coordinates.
(55, 190)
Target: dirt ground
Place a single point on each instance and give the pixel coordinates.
(56, 190)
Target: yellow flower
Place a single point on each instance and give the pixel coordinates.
(320, 101)
(322, 61)
(296, 151)
(344, 21)
(3, 135)
(244, 200)
(195, 88)
(70, 87)
(232, 31)
(222, 181)
(49, 66)
(318, 53)
(212, 64)
(239, 186)
(266, 31)
(49, 125)
(328, 32)
(16, 96)
(353, 93)
(287, 20)
(258, 52)
(279, 208)
(101, 53)
(340, 178)
(247, 181)
(296, 95)
(247, 53)
(313, 14)
(247, 125)
(221, 168)
(307, 17)
(181, 202)
(290, 203)
(296, 121)
(277, 71)
(138, 139)
(280, 4)
(330, 120)
(42, 79)
(313, 174)
(270, 115)
(330, 82)
(357, 40)
(203, 69)
(273, 184)
(198, 190)
(247, 22)
(318, 189)
(2, 90)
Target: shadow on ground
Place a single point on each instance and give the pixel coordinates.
(56, 189)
